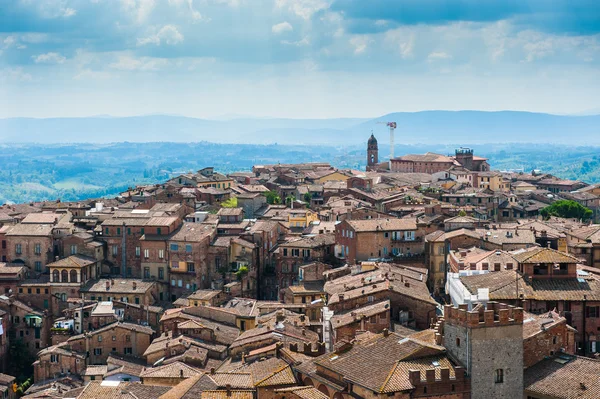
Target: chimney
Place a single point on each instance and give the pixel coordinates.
(56, 258)
(212, 371)
(228, 389)
(386, 332)
(112, 281)
(107, 285)
(341, 297)
(134, 285)
(180, 373)
(304, 331)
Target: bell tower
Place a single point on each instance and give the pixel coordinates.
(372, 153)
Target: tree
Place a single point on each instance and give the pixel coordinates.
(462, 213)
(567, 209)
(307, 197)
(273, 198)
(20, 361)
(230, 203)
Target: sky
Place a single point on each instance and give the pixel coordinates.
(296, 58)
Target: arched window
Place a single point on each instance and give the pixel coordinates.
(74, 276)
(64, 276)
(55, 276)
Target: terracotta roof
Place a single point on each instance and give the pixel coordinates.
(503, 286)
(269, 372)
(370, 363)
(173, 370)
(121, 286)
(308, 392)
(534, 324)
(37, 230)
(353, 316)
(544, 255)
(233, 394)
(399, 377)
(122, 390)
(6, 379)
(388, 224)
(193, 232)
(564, 376)
(74, 261)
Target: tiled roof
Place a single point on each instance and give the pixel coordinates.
(173, 370)
(6, 379)
(351, 316)
(564, 377)
(233, 394)
(122, 390)
(121, 286)
(534, 324)
(544, 255)
(372, 362)
(303, 392)
(193, 232)
(388, 224)
(37, 230)
(507, 285)
(269, 372)
(399, 377)
(74, 261)
(96, 370)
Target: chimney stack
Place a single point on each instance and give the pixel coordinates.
(134, 285)
(228, 389)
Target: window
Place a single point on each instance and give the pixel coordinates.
(295, 252)
(127, 351)
(458, 342)
(188, 248)
(98, 351)
(386, 234)
(146, 253)
(306, 253)
(284, 252)
(370, 298)
(158, 230)
(161, 273)
(53, 358)
(499, 378)
(161, 254)
(173, 282)
(115, 250)
(137, 251)
(118, 231)
(409, 235)
(180, 283)
(73, 249)
(496, 267)
(114, 337)
(174, 264)
(99, 338)
(38, 266)
(593, 311)
(191, 267)
(137, 300)
(106, 231)
(174, 247)
(37, 249)
(146, 272)
(18, 249)
(129, 230)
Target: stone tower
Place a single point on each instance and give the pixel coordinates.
(488, 343)
(464, 156)
(372, 153)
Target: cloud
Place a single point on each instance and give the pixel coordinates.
(139, 10)
(91, 74)
(167, 34)
(360, 44)
(15, 74)
(69, 12)
(49, 58)
(303, 8)
(438, 55)
(298, 43)
(144, 64)
(282, 27)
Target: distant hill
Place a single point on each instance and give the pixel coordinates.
(413, 128)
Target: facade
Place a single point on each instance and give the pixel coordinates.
(489, 343)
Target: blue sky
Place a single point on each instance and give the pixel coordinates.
(296, 58)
